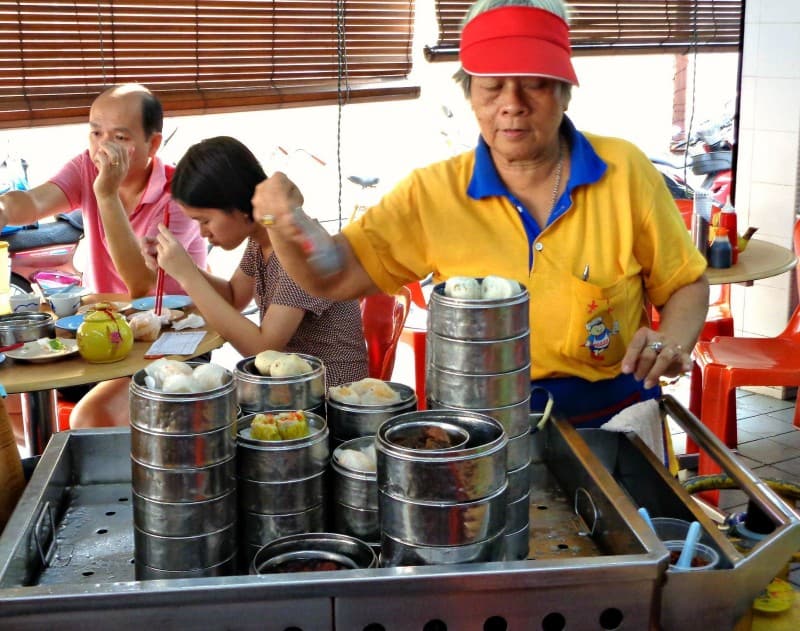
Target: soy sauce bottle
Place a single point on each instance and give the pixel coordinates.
(720, 254)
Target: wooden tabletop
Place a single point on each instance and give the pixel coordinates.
(21, 376)
(761, 259)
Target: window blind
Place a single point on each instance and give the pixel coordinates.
(623, 26)
(199, 56)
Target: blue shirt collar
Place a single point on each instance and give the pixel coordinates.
(586, 167)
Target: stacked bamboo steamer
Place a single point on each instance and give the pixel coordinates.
(184, 480)
(478, 359)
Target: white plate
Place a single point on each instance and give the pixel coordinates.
(170, 302)
(2, 358)
(36, 353)
(70, 323)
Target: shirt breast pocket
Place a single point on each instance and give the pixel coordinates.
(597, 333)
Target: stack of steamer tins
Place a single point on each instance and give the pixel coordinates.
(282, 484)
(479, 360)
(184, 481)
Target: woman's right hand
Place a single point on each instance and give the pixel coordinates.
(171, 256)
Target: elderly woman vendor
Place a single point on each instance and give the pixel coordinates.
(583, 221)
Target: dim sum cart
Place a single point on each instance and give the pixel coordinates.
(66, 556)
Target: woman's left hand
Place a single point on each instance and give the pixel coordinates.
(651, 355)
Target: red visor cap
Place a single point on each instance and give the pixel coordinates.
(517, 41)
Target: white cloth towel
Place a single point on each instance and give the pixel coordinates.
(645, 419)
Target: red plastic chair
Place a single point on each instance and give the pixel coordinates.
(416, 339)
(728, 363)
(383, 318)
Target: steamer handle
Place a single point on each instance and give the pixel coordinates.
(766, 499)
(39, 534)
(548, 408)
(580, 491)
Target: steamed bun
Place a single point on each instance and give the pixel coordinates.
(208, 376)
(463, 287)
(264, 359)
(497, 287)
(289, 365)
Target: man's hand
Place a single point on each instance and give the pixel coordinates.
(112, 162)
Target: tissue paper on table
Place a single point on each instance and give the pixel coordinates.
(645, 420)
(192, 321)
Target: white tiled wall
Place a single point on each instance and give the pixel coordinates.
(769, 145)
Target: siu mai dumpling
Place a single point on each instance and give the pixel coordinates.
(289, 365)
(463, 287)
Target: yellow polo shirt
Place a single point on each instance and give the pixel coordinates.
(623, 228)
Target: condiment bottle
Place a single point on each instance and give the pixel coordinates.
(727, 220)
(720, 254)
(700, 220)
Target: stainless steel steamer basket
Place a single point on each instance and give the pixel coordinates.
(443, 523)
(349, 551)
(184, 553)
(181, 413)
(472, 391)
(474, 471)
(477, 319)
(354, 487)
(281, 460)
(259, 529)
(193, 484)
(184, 519)
(183, 450)
(395, 552)
(479, 357)
(258, 393)
(348, 420)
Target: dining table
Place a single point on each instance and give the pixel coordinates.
(761, 259)
(38, 382)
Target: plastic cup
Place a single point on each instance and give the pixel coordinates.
(669, 528)
(705, 557)
(24, 302)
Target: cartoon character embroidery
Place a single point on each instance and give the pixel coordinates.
(599, 337)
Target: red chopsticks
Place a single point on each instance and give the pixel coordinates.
(160, 273)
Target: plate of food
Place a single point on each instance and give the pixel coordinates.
(44, 349)
(170, 302)
(70, 323)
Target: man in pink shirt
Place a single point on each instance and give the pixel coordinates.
(122, 189)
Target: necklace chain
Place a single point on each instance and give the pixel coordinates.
(559, 168)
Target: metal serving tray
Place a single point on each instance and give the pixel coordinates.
(595, 564)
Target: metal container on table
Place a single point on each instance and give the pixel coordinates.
(354, 505)
(187, 553)
(443, 504)
(25, 327)
(350, 420)
(281, 483)
(514, 418)
(259, 393)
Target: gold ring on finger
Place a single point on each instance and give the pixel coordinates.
(267, 220)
